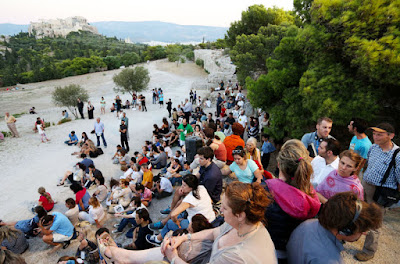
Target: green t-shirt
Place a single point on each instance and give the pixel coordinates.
(186, 130)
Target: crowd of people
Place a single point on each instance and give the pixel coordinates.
(227, 205)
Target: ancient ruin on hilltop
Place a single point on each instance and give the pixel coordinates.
(60, 27)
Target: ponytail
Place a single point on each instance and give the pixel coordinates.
(302, 175)
(42, 191)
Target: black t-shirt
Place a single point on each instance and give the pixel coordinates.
(169, 105)
(118, 101)
(141, 242)
(122, 127)
(230, 120)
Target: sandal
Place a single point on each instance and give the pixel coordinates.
(60, 184)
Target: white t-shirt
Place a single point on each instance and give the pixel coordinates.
(242, 119)
(102, 195)
(201, 206)
(140, 207)
(166, 185)
(97, 213)
(39, 129)
(321, 169)
(127, 173)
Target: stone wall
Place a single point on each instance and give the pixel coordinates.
(60, 27)
(218, 65)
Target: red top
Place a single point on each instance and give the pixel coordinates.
(144, 160)
(45, 203)
(220, 153)
(79, 195)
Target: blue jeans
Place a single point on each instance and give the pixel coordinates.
(124, 222)
(170, 225)
(104, 140)
(174, 180)
(70, 144)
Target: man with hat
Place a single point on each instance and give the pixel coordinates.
(379, 157)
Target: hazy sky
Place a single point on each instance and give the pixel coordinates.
(185, 12)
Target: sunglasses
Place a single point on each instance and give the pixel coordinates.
(237, 151)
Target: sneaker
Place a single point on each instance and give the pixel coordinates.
(152, 239)
(115, 231)
(156, 226)
(166, 211)
(116, 225)
(362, 256)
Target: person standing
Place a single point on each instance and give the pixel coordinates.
(380, 156)
(80, 108)
(360, 143)
(126, 119)
(187, 109)
(124, 139)
(99, 130)
(219, 104)
(312, 140)
(90, 109)
(103, 105)
(10, 120)
(154, 96)
(161, 99)
(169, 107)
(143, 101)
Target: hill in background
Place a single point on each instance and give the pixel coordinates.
(142, 31)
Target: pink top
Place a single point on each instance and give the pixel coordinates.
(334, 183)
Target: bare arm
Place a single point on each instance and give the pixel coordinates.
(258, 175)
(321, 198)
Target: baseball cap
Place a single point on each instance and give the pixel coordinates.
(384, 127)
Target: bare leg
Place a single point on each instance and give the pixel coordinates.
(67, 173)
(123, 256)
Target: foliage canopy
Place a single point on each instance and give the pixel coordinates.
(132, 80)
(67, 96)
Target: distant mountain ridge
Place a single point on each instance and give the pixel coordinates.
(145, 31)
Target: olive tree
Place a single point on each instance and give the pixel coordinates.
(68, 96)
(132, 80)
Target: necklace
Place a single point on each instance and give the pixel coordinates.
(242, 235)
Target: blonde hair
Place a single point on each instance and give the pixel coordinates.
(94, 202)
(6, 256)
(254, 154)
(293, 163)
(7, 233)
(42, 191)
(87, 231)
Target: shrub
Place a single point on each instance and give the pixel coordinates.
(200, 63)
(64, 120)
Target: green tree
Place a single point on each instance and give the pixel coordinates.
(255, 17)
(173, 52)
(132, 80)
(130, 58)
(67, 96)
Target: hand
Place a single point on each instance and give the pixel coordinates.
(178, 240)
(169, 251)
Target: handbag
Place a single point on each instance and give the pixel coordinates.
(384, 196)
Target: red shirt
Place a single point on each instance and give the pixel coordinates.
(45, 203)
(231, 142)
(79, 195)
(144, 160)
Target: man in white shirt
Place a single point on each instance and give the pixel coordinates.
(163, 187)
(326, 161)
(242, 119)
(99, 130)
(187, 109)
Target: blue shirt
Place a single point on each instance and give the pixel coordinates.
(312, 243)
(267, 147)
(98, 127)
(73, 137)
(312, 139)
(87, 162)
(246, 175)
(61, 225)
(378, 162)
(361, 146)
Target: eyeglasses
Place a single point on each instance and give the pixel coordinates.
(237, 151)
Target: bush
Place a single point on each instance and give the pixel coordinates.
(183, 60)
(19, 115)
(6, 134)
(64, 120)
(200, 63)
(47, 124)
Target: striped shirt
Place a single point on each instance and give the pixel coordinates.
(378, 162)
